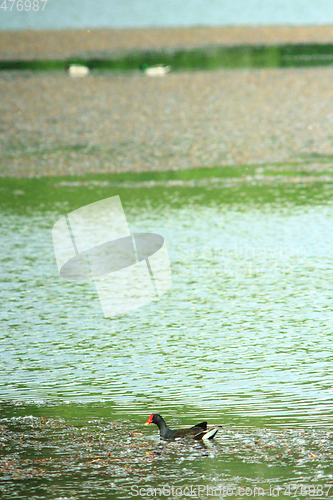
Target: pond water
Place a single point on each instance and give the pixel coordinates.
(242, 339)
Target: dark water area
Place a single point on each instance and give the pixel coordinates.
(242, 339)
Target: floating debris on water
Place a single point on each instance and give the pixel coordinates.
(79, 463)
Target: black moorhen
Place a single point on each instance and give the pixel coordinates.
(198, 431)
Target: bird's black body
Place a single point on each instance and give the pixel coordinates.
(198, 431)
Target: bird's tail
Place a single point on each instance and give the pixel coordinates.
(209, 434)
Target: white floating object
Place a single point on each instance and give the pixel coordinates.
(158, 70)
(78, 71)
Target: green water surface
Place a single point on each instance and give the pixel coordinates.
(242, 339)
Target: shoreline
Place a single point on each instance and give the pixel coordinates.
(113, 123)
(62, 44)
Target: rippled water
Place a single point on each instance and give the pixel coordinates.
(242, 339)
(244, 334)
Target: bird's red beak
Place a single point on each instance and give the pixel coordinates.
(150, 419)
